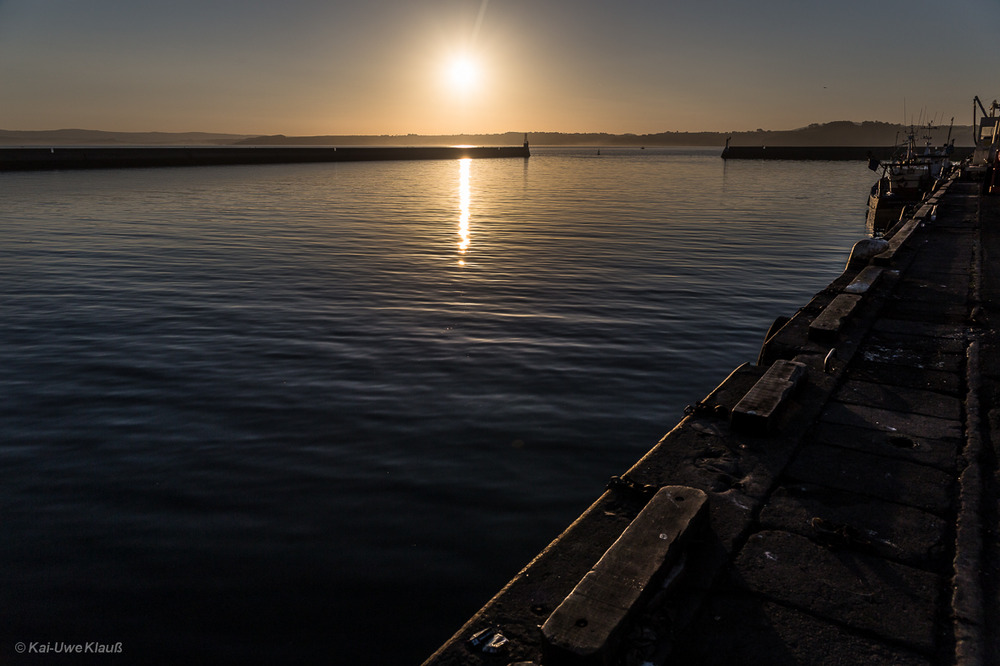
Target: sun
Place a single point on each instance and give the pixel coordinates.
(464, 73)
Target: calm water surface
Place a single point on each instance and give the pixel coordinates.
(323, 412)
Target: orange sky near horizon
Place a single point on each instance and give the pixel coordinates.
(307, 67)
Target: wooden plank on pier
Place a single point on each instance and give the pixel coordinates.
(826, 327)
(864, 280)
(757, 408)
(588, 621)
(896, 242)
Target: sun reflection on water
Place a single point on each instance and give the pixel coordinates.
(464, 199)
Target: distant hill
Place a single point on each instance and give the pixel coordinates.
(847, 133)
(838, 133)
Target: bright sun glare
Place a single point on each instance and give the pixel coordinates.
(463, 73)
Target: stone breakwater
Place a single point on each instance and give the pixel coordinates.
(836, 153)
(34, 159)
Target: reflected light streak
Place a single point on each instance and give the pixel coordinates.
(464, 199)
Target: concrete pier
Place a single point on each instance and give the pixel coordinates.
(74, 157)
(849, 479)
(829, 153)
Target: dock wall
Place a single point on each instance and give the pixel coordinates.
(836, 153)
(33, 159)
(847, 482)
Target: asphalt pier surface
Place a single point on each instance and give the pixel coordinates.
(845, 484)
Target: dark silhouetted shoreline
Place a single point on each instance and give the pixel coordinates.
(839, 133)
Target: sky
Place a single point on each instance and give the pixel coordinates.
(315, 67)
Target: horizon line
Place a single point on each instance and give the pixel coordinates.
(467, 133)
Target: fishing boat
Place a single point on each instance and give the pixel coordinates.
(984, 161)
(907, 178)
(987, 132)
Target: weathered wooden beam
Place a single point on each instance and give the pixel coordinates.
(864, 280)
(826, 327)
(925, 212)
(585, 627)
(758, 407)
